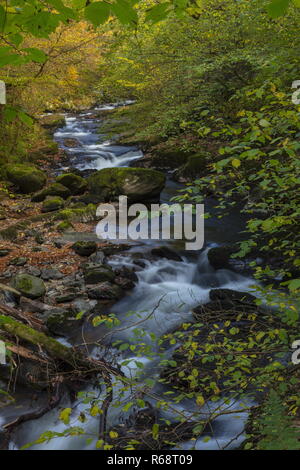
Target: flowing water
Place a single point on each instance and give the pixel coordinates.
(162, 300)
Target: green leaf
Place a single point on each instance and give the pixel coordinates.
(97, 13)
(36, 55)
(124, 12)
(278, 8)
(294, 285)
(158, 12)
(264, 123)
(155, 429)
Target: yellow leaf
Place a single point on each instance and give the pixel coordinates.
(236, 162)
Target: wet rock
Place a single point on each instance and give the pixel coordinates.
(226, 304)
(138, 184)
(51, 273)
(98, 257)
(18, 261)
(60, 321)
(53, 204)
(75, 183)
(124, 283)
(83, 306)
(71, 143)
(84, 248)
(219, 257)
(27, 178)
(163, 160)
(98, 273)
(55, 189)
(195, 167)
(166, 252)
(30, 286)
(53, 121)
(66, 297)
(105, 291)
(33, 270)
(4, 252)
(229, 296)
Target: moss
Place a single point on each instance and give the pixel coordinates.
(28, 285)
(139, 184)
(64, 226)
(88, 213)
(53, 121)
(53, 204)
(27, 178)
(75, 183)
(55, 189)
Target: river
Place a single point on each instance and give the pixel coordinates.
(169, 288)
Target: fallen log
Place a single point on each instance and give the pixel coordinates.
(80, 364)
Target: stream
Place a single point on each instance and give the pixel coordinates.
(170, 288)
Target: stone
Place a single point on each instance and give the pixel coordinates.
(166, 252)
(195, 167)
(98, 273)
(219, 256)
(4, 252)
(20, 261)
(30, 286)
(83, 248)
(75, 183)
(55, 189)
(105, 291)
(27, 178)
(138, 184)
(51, 273)
(53, 204)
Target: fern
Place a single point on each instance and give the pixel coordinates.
(276, 427)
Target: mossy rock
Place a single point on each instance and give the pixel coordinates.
(168, 159)
(138, 184)
(195, 167)
(28, 178)
(30, 286)
(55, 189)
(64, 226)
(83, 248)
(100, 273)
(53, 204)
(219, 256)
(75, 183)
(53, 121)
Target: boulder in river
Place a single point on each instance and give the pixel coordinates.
(75, 183)
(219, 256)
(29, 286)
(195, 167)
(27, 178)
(166, 252)
(138, 184)
(105, 291)
(226, 304)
